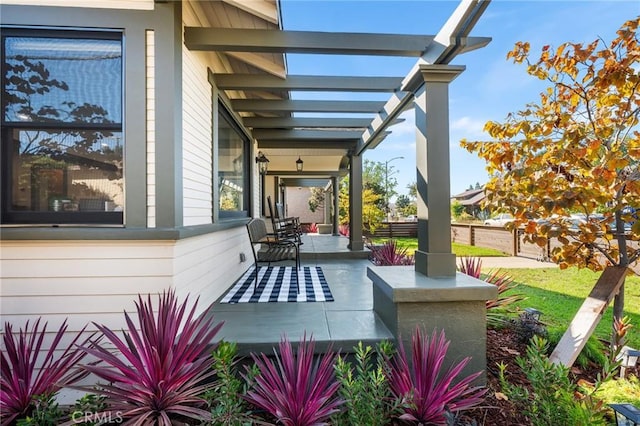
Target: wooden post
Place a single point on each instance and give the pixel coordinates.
(588, 316)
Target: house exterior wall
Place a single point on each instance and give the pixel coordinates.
(197, 140)
(168, 239)
(83, 281)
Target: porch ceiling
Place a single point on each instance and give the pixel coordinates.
(322, 132)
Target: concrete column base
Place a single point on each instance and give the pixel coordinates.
(404, 298)
(435, 264)
(325, 228)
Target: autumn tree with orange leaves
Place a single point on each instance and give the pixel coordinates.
(575, 151)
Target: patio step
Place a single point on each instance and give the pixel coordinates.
(358, 254)
(344, 347)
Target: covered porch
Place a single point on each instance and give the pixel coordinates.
(371, 304)
(315, 140)
(343, 322)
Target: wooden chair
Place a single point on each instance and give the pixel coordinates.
(272, 248)
(284, 227)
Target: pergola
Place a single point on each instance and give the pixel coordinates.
(257, 87)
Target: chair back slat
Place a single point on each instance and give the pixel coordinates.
(257, 230)
(270, 204)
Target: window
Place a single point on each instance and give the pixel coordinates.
(233, 168)
(62, 141)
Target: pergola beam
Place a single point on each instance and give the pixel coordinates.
(346, 144)
(258, 105)
(316, 173)
(275, 41)
(316, 83)
(307, 182)
(388, 115)
(304, 134)
(301, 122)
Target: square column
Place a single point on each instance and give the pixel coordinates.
(327, 207)
(336, 205)
(434, 257)
(355, 203)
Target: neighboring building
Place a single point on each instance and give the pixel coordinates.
(472, 200)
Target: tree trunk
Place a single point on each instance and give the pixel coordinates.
(618, 302)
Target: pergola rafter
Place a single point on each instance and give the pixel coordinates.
(269, 41)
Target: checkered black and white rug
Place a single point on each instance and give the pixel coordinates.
(278, 284)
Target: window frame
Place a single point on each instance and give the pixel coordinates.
(7, 145)
(223, 113)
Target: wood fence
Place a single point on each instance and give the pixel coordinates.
(496, 237)
(395, 229)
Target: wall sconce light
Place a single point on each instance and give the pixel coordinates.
(263, 163)
(299, 164)
(626, 414)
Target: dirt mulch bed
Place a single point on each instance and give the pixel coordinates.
(504, 346)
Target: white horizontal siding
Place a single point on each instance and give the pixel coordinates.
(197, 140)
(100, 279)
(206, 266)
(58, 279)
(102, 4)
(96, 281)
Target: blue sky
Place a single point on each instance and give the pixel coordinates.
(490, 87)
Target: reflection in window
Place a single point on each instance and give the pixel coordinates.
(233, 168)
(65, 178)
(62, 140)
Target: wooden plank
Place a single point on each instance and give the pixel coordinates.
(588, 316)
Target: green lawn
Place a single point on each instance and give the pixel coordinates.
(458, 249)
(560, 293)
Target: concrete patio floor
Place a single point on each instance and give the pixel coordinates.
(343, 322)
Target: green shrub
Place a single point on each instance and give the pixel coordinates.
(46, 412)
(552, 400)
(364, 387)
(620, 391)
(225, 400)
(86, 411)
